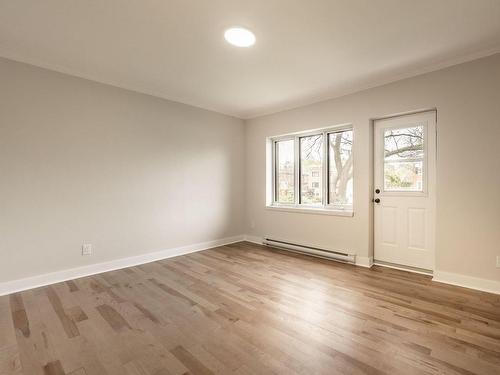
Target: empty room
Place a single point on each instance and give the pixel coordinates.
(249, 187)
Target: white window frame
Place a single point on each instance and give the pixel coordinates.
(325, 207)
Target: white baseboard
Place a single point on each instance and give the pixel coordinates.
(74, 273)
(364, 261)
(402, 268)
(254, 239)
(14, 286)
(471, 282)
(484, 285)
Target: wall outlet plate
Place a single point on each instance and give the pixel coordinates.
(87, 249)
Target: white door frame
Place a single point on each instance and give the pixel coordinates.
(372, 195)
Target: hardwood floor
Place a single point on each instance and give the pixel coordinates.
(246, 309)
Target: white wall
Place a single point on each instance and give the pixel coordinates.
(86, 162)
(467, 98)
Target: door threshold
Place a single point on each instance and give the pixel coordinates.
(401, 267)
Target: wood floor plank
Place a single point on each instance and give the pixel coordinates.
(69, 325)
(10, 363)
(19, 316)
(195, 366)
(7, 330)
(248, 309)
(53, 368)
(115, 320)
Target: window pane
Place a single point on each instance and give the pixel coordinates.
(403, 159)
(285, 172)
(340, 161)
(311, 151)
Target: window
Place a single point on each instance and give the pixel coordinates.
(311, 161)
(404, 159)
(313, 170)
(285, 181)
(340, 168)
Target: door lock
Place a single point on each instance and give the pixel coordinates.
(376, 200)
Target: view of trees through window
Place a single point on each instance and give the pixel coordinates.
(339, 181)
(340, 171)
(403, 159)
(285, 171)
(311, 155)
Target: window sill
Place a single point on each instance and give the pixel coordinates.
(312, 210)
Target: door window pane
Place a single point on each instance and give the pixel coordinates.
(403, 159)
(311, 151)
(285, 179)
(340, 187)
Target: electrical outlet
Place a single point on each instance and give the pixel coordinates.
(498, 261)
(87, 249)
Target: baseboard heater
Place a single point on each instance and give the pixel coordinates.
(310, 250)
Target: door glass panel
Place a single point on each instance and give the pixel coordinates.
(285, 180)
(404, 159)
(311, 151)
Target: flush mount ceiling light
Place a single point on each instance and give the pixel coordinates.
(239, 37)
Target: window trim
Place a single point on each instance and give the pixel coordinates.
(325, 207)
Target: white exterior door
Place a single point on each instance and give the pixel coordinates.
(405, 190)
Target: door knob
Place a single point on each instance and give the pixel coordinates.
(377, 191)
(376, 200)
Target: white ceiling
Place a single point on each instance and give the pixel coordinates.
(306, 50)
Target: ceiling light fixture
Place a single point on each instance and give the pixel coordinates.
(239, 37)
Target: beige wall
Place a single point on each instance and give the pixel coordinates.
(131, 174)
(467, 98)
(85, 162)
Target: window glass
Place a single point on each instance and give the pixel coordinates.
(340, 168)
(404, 159)
(321, 175)
(285, 176)
(311, 154)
